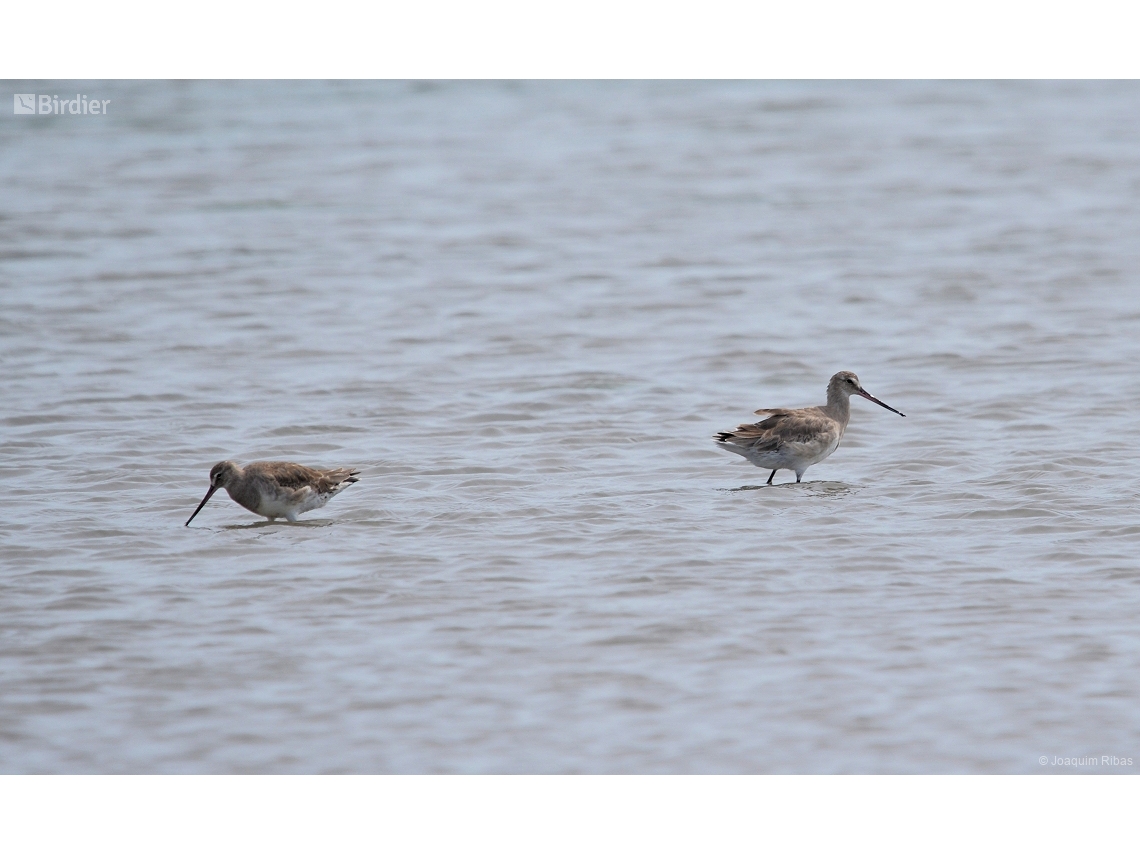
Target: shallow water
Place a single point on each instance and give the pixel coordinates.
(522, 310)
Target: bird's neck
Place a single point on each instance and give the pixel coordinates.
(838, 406)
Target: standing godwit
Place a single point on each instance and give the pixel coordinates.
(277, 489)
(797, 439)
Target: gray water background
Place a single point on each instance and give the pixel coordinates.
(522, 310)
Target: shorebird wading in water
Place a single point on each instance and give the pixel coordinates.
(797, 439)
(277, 489)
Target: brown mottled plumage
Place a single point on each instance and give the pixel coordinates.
(274, 489)
(797, 439)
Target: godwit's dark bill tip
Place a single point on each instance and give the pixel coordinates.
(201, 505)
(871, 397)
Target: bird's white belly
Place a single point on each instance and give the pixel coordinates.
(289, 505)
(797, 455)
(811, 458)
(273, 506)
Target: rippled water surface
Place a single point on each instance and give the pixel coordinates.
(522, 310)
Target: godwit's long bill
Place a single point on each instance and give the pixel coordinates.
(277, 489)
(797, 439)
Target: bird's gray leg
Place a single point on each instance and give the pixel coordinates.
(770, 477)
(799, 475)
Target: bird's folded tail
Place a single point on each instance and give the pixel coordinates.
(337, 479)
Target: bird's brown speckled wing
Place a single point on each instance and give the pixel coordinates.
(779, 429)
(294, 476)
(758, 436)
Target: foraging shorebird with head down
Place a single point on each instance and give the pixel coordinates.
(797, 439)
(277, 489)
